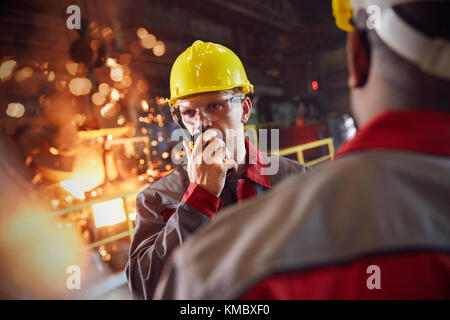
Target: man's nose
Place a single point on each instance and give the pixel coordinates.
(203, 120)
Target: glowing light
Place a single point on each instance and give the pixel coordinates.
(116, 73)
(80, 86)
(60, 85)
(110, 62)
(107, 33)
(53, 150)
(93, 27)
(79, 119)
(109, 213)
(144, 105)
(24, 74)
(165, 155)
(154, 143)
(149, 41)
(159, 49)
(51, 76)
(6, 69)
(55, 203)
(104, 89)
(168, 167)
(88, 173)
(28, 160)
(72, 67)
(109, 110)
(121, 120)
(127, 81)
(315, 85)
(105, 255)
(15, 110)
(160, 101)
(142, 86)
(98, 98)
(141, 33)
(115, 95)
(95, 44)
(74, 188)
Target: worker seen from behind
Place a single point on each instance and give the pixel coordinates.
(209, 88)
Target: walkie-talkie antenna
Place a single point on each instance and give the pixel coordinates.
(177, 114)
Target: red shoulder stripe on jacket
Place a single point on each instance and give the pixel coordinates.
(417, 275)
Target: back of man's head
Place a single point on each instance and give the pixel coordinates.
(389, 80)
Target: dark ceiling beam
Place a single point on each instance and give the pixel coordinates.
(282, 24)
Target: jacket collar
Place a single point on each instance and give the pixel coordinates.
(416, 131)
(255, 163)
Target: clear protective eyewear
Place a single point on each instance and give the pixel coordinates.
(212, 106)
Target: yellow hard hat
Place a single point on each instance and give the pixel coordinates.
(342, 12)
(206, 67)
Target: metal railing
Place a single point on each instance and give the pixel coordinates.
(311, 145)
(299, 149)
(90, 203)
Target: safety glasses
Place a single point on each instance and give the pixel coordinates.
(212, 106)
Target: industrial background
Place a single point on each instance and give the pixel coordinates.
(84, 125)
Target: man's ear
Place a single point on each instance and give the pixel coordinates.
(246, 109)
(358, 56)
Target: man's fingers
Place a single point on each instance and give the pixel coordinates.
(216, 144)
(187, 148)
(229, 164)
(228, 154)
(202, 140)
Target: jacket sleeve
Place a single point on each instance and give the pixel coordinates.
(154, 238)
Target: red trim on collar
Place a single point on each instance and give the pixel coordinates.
(417, 131)
(245, 190)
(253, 171)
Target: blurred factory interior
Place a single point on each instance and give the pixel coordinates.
(84, 125)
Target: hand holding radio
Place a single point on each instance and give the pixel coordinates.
(209, 161)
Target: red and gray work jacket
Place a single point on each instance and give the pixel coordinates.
(372, 224)
(172, 208)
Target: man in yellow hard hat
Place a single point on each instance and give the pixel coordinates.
(374, 223)
(208, 87)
